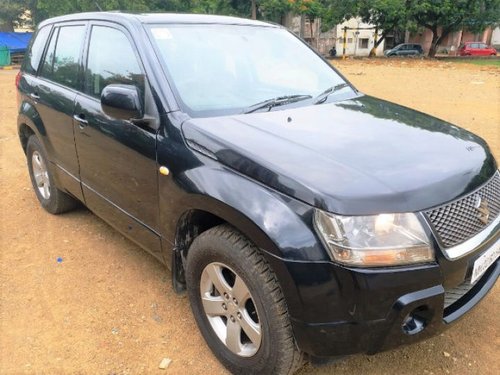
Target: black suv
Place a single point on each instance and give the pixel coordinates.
(407, 49)
(301, 216)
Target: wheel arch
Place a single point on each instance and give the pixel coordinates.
(30, 123)
(24, 132)
(194, 221)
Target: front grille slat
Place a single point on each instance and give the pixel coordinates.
(458, 221)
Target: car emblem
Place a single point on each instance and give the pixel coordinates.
(482, 208)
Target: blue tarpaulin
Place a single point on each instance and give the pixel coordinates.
(15, 42)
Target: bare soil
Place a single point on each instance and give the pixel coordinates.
(107, 307)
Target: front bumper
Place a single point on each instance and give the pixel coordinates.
(346, 311)
(425, 307)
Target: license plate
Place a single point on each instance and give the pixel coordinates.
(484, 261)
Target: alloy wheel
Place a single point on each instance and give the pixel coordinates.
(230, 309)
(41, 174)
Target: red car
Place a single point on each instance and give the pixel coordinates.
(476, 49)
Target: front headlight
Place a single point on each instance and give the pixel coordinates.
(374, 241)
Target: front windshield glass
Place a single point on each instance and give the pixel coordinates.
(225, 69)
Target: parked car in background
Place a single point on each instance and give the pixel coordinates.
(300, 215)
(405, 49)
(476, 49)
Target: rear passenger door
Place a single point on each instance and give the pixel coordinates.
(118, 168)
(53, 93)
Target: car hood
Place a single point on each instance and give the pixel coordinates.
(358, 156)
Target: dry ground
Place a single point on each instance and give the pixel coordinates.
(108, 307)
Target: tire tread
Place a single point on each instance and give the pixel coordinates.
(290, 357)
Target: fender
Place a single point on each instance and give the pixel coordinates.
(276, 223)
(29, 116)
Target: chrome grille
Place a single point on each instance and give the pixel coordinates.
(458, 221)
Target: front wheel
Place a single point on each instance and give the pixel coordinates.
(238, 304)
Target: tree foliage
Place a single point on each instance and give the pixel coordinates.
(442, 17)
(385, 15)
(10, 14)
(337, 11)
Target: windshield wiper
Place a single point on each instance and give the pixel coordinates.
(274, 102)
(321, 98)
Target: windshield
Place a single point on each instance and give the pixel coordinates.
(225, 69)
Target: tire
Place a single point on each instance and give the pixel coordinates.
(50, 197)
(225, 255)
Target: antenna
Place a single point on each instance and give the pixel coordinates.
(97, 5)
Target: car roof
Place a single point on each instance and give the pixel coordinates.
(157, 18)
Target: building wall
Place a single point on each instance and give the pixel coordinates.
(450, 44)
(359, 42)
(495, 38)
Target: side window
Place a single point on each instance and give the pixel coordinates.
(111, 59)
(63, 55)
(32, 59)
(46, 70)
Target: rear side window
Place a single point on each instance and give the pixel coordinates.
(111, 59)
(32, 59)
(63, 55)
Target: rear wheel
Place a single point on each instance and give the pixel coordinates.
(50, 197)
(238, 304)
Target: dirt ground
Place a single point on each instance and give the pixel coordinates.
(107, 307)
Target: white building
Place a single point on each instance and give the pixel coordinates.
(360, 36)
(495, 38)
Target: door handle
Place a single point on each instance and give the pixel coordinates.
(81, 120)
(34, 96)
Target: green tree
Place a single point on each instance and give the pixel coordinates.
(385, 15)
(337, 11)
(273, 10)
(312, 9)
(224, 7)
(42, 9)
(442, 17)
(10, 14)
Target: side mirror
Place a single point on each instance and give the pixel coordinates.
(121, 102)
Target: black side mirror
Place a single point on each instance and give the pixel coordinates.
(122, 102)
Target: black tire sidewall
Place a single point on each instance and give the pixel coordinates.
(219, 250)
